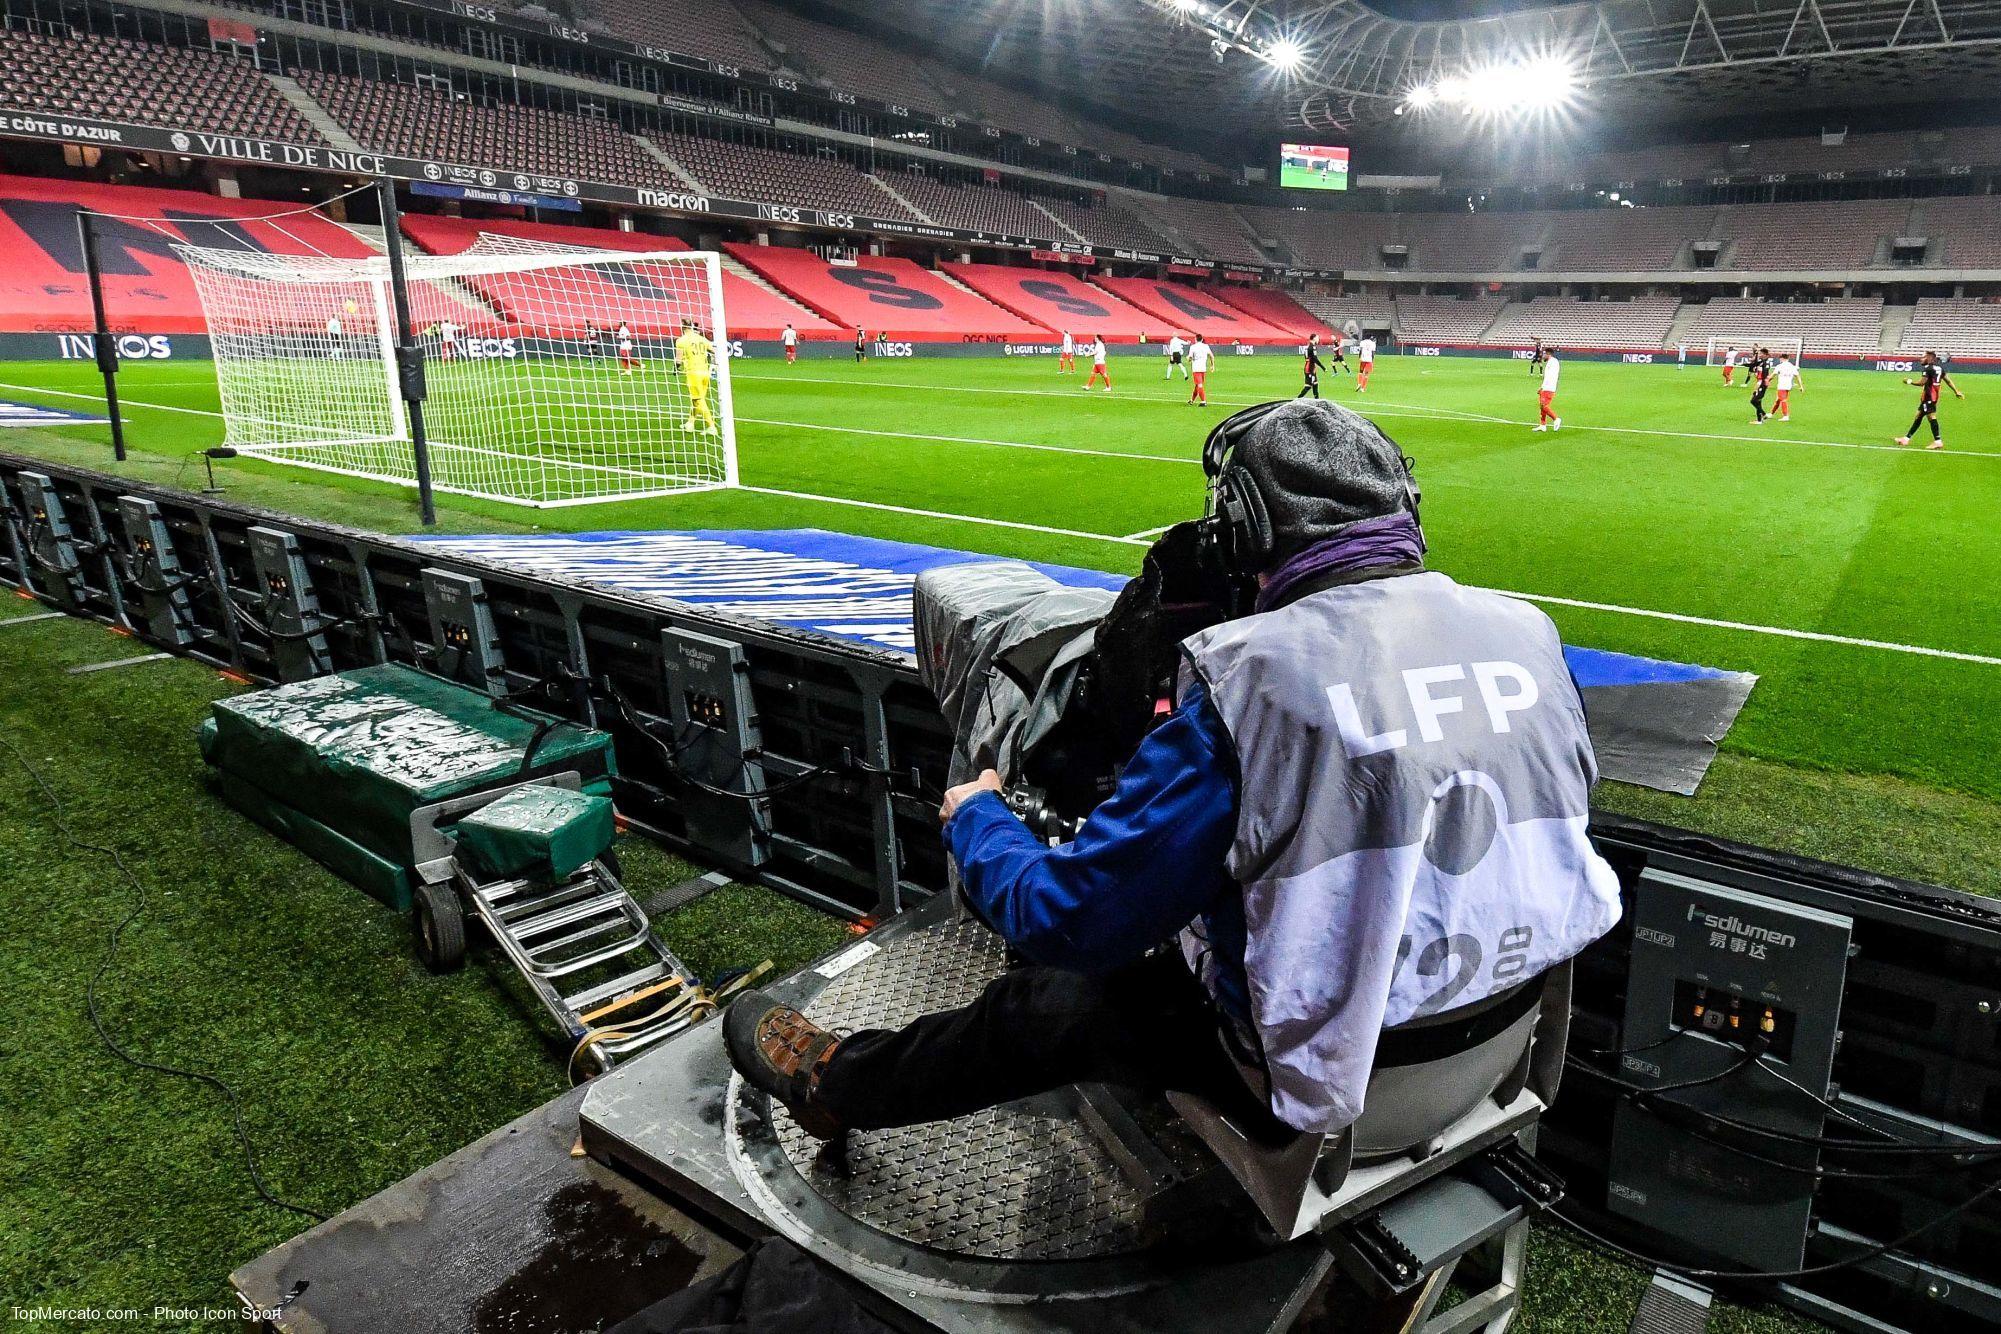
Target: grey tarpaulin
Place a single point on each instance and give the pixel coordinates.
(999, 645)
(1663, 734)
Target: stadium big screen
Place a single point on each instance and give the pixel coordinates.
(1312, 167)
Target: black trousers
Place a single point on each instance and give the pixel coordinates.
(1149, 1026)
(1758, 402)
(1312, 386)
(1925, 414)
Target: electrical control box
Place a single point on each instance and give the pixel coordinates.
(718, 742)
(291, 610)
(462, 628)
(53, 563)
(156, 571)
(1733, 1007)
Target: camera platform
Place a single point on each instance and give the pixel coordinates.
(1076, 1209)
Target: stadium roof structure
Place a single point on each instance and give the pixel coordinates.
(1204, 63)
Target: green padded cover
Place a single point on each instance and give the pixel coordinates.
(359, 751)
(535, 833)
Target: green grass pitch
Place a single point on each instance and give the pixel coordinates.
(1661, 517)
(1658, 496)
(1858, 578)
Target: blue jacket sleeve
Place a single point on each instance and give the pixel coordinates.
(1147, 862)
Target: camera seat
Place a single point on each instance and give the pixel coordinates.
(1453, 1093)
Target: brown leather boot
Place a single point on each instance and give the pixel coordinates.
(781, 1052)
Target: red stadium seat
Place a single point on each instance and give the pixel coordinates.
(751, 311)
(891, 298)
(1191, 310)
(147, 288)
(1274, 308)
(1059, 300)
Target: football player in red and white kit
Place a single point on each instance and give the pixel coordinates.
(1546, 418)
(791, 340)
(1365, 355)
(1200, 356)
(1098, 371)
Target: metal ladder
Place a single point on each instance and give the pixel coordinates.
(580, 929)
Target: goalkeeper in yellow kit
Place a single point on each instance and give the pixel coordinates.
(697, 357)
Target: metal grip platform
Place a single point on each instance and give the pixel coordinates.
(1031, 1216)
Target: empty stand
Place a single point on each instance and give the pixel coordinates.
(1191, 310)
(1337, 312)
(1276, 308)
(1210, 230)
(1846, 235)
(743, 171)
(1841, 325)
(890, 298)
(847, 60)
(1620, 239)
(1444, 319)
(1325, 239)
(1969, 228)
(712, 28)
(976, 208)
(1954, 326)
(1059, 300)
(418, 122)
(110, 78)
(1108, 225)
(1470, 242)
(750, 310)
(1639, 325)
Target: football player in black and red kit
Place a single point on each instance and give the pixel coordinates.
(1931, 377)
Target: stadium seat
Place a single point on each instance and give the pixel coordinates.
(1190, 310)
(747, 171)
(751, 311)
(1444, 319)
(1276, 308)
(1059, 300)
(1637, 325)
(890, 298)
(422, 123)
(1955, 326)
(147, 288)
(1837, 326)
(146, 84)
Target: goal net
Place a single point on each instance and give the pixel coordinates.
(555, 375)
(1747, 347)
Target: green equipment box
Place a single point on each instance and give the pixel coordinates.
(361, 769)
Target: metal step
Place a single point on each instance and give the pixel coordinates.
(581, 1001)
(536, 926)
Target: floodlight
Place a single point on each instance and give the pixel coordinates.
(1285, 55)
(1422, 96)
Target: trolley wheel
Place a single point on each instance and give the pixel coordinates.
(441, 927)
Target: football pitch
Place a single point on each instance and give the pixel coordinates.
(1856, 577)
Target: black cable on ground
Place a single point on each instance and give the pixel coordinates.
(58, 816)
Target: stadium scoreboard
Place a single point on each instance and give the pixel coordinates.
(1312, 167)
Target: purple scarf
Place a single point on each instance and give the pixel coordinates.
(1389, 540)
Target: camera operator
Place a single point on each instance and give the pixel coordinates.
(1367, 806)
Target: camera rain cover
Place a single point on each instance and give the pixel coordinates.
(1000, 645)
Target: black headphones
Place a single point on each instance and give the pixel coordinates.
(1235, 535)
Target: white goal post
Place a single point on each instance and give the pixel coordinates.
(1747, 346)
(555, 375)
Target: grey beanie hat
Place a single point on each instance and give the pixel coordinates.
(1319, 468)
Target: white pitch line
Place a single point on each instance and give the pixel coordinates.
(99, 398)
(1777, 630)
(1141, 539)
(943, 514)
(1419, 411)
